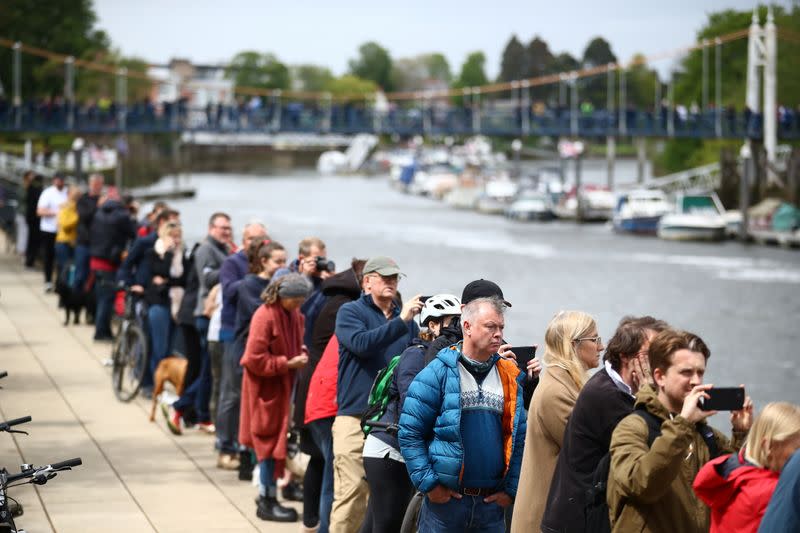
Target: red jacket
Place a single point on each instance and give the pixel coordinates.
(321, 400)
(275, 337)
(736, 491)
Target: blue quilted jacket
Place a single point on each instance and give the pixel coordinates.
(430, 424)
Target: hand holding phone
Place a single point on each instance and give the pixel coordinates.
(524, 354)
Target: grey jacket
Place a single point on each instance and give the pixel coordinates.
(207, 262)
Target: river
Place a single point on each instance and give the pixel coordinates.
(743, 300)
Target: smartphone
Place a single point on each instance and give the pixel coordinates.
(723, 399)
(423, 299)
(524, 354)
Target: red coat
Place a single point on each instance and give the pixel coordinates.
(321, 400)
(736, 491)
(275, 337)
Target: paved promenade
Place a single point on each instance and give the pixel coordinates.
(136, 476)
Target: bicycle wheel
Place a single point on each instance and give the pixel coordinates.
(411, 517)
(130, 362)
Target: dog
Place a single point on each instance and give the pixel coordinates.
(173, 369)
(73, 299)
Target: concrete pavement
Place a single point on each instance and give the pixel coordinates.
(136, 476)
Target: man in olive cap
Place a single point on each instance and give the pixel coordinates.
(370, 330)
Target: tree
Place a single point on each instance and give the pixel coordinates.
(595, 88)
(438, 67)
(263, 71)
(373, 63)
(415, 73)
(514, 63)
(473, 72)
(311, 77)
(61, 26)
(540, 63)
(351, 86)
(640, 85)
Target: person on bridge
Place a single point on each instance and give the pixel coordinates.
(274, 352)
(462, 428)
(47, 208)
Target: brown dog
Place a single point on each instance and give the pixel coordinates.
(172, 369)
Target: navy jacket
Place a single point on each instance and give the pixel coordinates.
(367, 342)
(112, 228)
(231, 274)
(135, 270)
(248, 301)
(783, 513)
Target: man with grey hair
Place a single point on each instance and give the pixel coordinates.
(231, 274)
(462, 429)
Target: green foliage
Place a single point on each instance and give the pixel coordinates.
(262, 71)
(373, 63)
(473, 71)
(312, 77)
(62, 26)
(349, 85)
(413, 73)
(640, 85)
(514, 64)
(594, 89)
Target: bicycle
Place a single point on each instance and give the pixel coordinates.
(130, 354)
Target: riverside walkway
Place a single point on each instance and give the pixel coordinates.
(136, 476)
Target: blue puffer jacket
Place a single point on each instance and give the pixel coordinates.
(430, 425)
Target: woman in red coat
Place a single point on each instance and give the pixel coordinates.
(737, 487)
(273, 353)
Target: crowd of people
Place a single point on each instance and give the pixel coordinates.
(286, 356)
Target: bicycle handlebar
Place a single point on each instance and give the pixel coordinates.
(16, 421)
(69, 463)
(37, 472)
(3, 374)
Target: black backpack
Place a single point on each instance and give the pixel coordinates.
(596, 510)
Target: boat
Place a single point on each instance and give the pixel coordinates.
(639, 211)
(696, 217)
(497, 195)
(531, 205)
(597, 203)
(434, 181)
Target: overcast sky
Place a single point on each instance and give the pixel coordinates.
(329, 32)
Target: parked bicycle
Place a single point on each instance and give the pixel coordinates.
(130, 353)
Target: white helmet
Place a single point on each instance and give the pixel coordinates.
(438, 306)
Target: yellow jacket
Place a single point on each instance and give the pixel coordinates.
(67, 224)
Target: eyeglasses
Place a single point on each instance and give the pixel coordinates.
(223, 228)
(596, 340)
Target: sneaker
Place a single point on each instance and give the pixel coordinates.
(207, 427)
(146, 392)
(48, 287)
(228, 461)
(108, 362)
(174, 419)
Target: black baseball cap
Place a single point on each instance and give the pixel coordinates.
(482, 288)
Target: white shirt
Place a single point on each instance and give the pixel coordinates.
(617, 379)
(51, 198)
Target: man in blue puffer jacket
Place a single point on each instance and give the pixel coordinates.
(462, 429)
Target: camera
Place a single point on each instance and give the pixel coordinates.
(325, 265)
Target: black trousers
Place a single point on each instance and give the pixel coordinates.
(390, 490)
(49, 247)
(191, 340)
(32, 246)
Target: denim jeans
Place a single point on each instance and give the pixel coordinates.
(81, 266)
(63, 254)
(230, 397)
(470, 514)
(268, 486)
(323, 438)
(198, 394)
(104, 291)
(159, 323)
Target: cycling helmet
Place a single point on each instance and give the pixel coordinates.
(438, 306)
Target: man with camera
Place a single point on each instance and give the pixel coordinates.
(657, 451)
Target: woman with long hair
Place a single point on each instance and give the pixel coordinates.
(274, 352)
(737, 487)
(572, 347)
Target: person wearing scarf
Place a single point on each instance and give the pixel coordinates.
(273, 353)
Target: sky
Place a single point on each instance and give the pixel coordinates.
(329, 32)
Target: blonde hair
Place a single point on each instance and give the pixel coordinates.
(559, 341)
(777, 422)
(168, 228)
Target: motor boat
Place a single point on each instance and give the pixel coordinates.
(531, 205)
(639, 211)
(696, 217)
(434, 181)
(496, 196)
(597, 203)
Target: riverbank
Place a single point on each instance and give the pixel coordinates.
(136, 476)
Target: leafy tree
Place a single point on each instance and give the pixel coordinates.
(373, 63)
(540, 63)
(92, 84)
(595, 88)
(312, 77)
(413, 73)
(514, 64)
(62, 26)
(263, 71)
(640, 85)
(438, 67)
(473, 71)
(351, 86)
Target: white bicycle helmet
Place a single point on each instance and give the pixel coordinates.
(438, 306)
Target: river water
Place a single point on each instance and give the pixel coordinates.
(743, 300)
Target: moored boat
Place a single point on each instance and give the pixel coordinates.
(697, 217)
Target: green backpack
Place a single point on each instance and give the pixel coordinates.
(379, 395)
